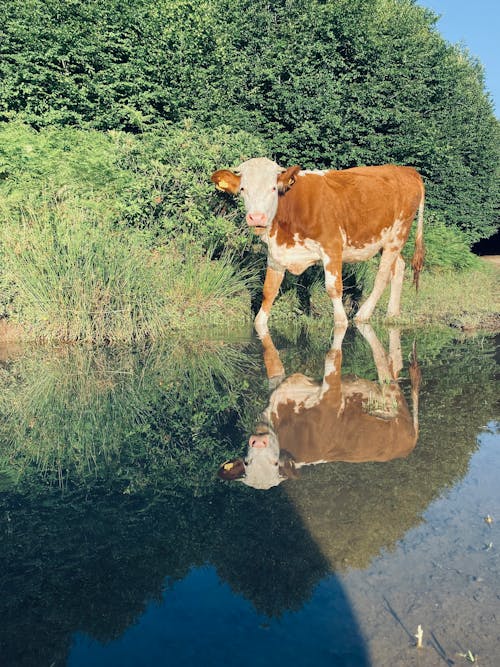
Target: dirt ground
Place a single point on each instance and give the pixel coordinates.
(492, 259)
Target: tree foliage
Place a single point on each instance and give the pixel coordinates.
(331, 84)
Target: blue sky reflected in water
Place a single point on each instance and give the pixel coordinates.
(201, 622)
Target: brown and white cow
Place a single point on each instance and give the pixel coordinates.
(330, 217)
(337, 419)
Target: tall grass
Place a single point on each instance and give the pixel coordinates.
(74, 279)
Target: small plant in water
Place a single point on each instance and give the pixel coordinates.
(419, 636)
(381, 405)
(469, 656)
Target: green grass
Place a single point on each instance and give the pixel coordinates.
(72, 279)
(465, 299)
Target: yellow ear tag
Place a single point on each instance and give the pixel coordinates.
(228, 466)
(222, 185)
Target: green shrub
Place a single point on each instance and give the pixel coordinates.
(445, 247)
(158, 181)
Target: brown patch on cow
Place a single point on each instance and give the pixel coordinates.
(362, 202)
(325, 432)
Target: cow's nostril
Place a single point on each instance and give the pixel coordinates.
(256, 219)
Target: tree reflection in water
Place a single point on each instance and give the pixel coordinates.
(137, 440)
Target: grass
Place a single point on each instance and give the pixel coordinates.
(464, 299)
(71, 278)
(75, 413)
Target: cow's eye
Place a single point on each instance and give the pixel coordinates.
(274, 189)
(242, 189)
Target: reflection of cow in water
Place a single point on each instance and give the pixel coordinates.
(350, 419)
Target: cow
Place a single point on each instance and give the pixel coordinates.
(330, 217)
(336, 419)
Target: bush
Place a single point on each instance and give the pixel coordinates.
(331, 84)
(158, 182)
(445, 247)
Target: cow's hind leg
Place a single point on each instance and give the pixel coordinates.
(272, 283)
(381, 279)
(397, 275)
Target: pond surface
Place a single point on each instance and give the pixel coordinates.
(246, 502)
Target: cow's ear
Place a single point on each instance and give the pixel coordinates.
(287, 466)
(226, 180)
(287, 178)
(233, 469)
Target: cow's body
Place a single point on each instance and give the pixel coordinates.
(330, 217)
(338, 419)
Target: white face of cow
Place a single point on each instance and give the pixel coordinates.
(262, 467)
(262, 470)
(259, 181)
(259, 190)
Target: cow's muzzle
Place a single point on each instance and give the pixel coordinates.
(256, 219)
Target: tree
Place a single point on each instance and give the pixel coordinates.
(324, 83)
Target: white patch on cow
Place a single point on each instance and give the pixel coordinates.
(297, 389)
(260, 323)
(297, 258)
(330, 278)
(261, 469)
(258, 186)
(262, 464)
(311, 463)
(369, 250)
(316, 172)
(339, 315)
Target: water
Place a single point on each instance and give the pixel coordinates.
(122, 546)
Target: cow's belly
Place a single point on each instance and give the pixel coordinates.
(351, 254)
(296, 258)
(298, 391)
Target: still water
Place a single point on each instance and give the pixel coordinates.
(291, 501)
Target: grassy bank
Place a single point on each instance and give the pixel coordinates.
(68, 278)
(464, 299)
(112, 237)
(109, 237)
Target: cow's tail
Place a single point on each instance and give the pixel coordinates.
(416, 379)
(417, 261)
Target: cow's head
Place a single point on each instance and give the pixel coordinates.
(259, 181)
(264, 465)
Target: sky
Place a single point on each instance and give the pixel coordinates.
(476, 24)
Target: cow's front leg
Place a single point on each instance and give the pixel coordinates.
(272, 283)
(333, 284)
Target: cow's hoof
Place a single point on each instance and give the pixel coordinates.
(361, 318)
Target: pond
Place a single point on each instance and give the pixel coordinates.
(302, 500)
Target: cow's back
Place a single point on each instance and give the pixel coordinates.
(358, 203)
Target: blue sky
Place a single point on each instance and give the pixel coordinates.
(475, 23)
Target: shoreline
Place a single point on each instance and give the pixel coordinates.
(465, 302)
